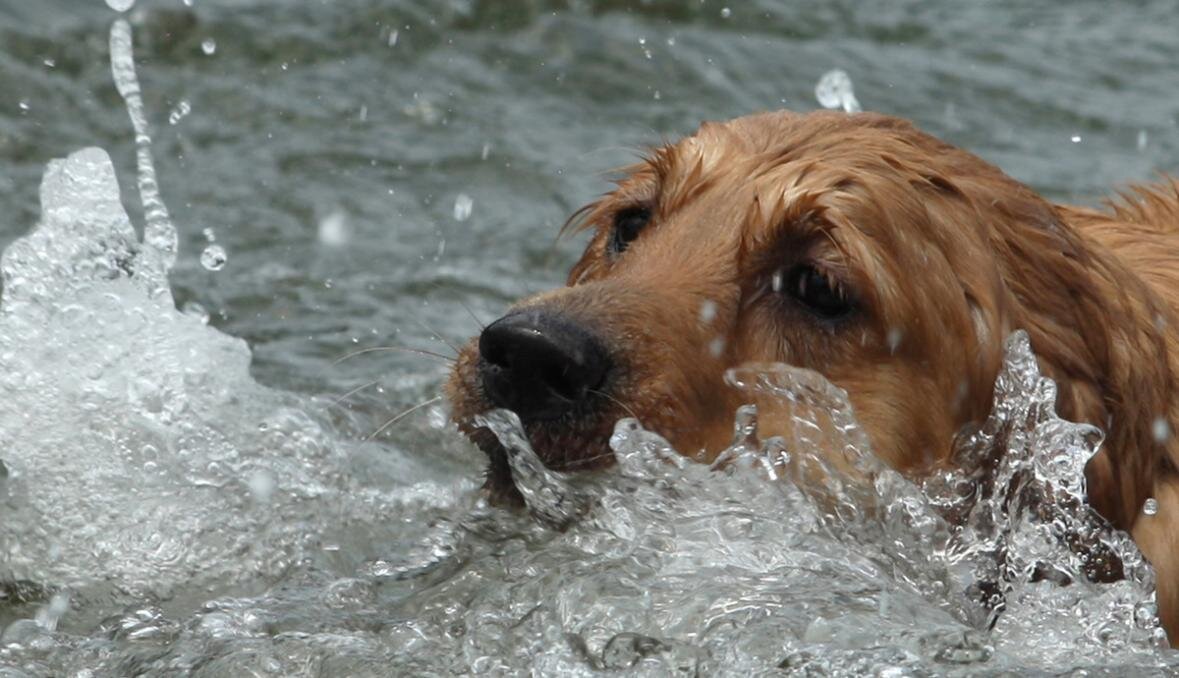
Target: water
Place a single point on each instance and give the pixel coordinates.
(187, 492)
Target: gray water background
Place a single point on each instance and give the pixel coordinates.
(305, 112)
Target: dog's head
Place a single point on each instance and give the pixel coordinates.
(854, 245)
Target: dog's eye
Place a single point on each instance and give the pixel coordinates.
(811, 288)
(627, 225)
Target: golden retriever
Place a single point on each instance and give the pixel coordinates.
(892, 263)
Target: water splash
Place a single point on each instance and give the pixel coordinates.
(158, 234)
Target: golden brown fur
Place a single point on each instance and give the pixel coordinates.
(945, 257)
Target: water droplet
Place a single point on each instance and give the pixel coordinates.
(657, 96)
(393, 37)
(1076, 138)
(210, 234)
(182, 109)
(776, 281)
(49, 615)
(1142, 139)
(1151, 506)
(334, 230)
(726, 13)
(707, 311)
(363, 114)
(895, 335)
(196, 310)
(1161, 430)
(671, 41)
(834, 90)
(120, 5)
(209, 46)
(49, 62)
(214, 258)
(716, 346)
(462, 207)
(24, 105)
(486, 151)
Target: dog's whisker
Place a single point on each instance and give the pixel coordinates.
(616, 401)
(438, 336)
(586, 461)
(375, 349)
(480, 323)
(349, 394)
(399, 417)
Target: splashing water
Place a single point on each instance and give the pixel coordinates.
(158, 233)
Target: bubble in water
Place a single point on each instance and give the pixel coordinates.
(209, 46)
(835, 91)
(213, 258)
(120, 5)
(182, 109)
(462, 207)
(1151, 506)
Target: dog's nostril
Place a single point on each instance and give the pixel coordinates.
(539, 364)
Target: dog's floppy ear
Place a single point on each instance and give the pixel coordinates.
(1094, 325)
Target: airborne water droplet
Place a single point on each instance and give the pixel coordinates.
(1161, 430)
(834, 90)
(213, 258)
(120, 5)
(462, 207)
(209, 46)
(1151, 506)
(182, 109)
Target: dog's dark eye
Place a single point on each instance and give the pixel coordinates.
(627, 225)
(814, 290)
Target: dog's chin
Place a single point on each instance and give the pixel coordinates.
(560, 447)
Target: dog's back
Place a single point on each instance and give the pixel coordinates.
(1142, 229)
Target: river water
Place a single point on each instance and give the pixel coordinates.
(186, 489)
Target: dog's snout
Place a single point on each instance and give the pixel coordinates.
(539, 364)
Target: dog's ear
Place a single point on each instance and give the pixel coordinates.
(1094, 325)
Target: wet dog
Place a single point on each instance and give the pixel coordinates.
(892, 263)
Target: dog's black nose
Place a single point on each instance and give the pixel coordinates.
(540, 365)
